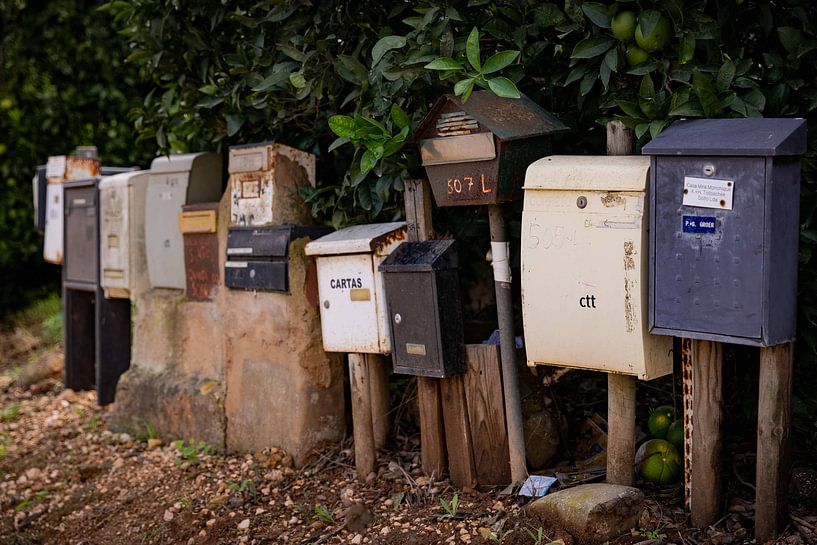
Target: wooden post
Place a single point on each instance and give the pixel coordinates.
(377, 365)
(365, 450)
(773, 428)
(706, 360)
(417, 197)
(620, 388)
(458, 433)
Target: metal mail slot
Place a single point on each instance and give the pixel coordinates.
(458, 149)
(81, 233)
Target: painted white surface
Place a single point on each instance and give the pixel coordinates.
(584, 270)
(54, 216)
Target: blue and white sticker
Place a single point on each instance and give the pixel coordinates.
(699, 224)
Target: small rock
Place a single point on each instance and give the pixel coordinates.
(210, 523)
(191, 541)
(244, 524)
(154, 443)
(218, 501)
(168, 515)
(593, 513)
(119, 462)
(124, 438)
(357, 539)
(357, 517)
(34, 474)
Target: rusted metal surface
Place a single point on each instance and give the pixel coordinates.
(265, 180)
(688, 390)
(79, 168)
(469, 172)
(197, 222)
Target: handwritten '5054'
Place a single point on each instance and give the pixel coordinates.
(549, 236)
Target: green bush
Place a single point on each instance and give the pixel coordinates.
(63, 83)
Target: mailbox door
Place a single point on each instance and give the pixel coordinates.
(415, 322)
(584, 282)
(81, 235)
(52, 242)
(260, 275)
(166, 194)
(115, 238)
(350, 318)
(709, 259)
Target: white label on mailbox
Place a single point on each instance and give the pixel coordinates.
(55, 168)
(239, 251)
(166, 195)
(708, 193)
(236, 264)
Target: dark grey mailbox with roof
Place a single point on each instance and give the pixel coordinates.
(724, 229)
(425, 312)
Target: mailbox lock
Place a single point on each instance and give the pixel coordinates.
(252, 273)
(397, 318)
(709, 170)
(581, 202)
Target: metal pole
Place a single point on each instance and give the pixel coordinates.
(507, 343)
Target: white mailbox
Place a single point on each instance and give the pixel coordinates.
(122, 258)
(584, 266)
(265, 180)
(59, 169)
(354, 317)
(175, 180)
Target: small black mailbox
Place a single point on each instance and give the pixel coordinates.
(425, 310)
(724, 229)
(257, 257)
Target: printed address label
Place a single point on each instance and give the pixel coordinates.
(708, 193)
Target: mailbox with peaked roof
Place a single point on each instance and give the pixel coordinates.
(724, 229)
(477, 152)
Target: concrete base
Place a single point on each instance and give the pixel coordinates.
(245, 370)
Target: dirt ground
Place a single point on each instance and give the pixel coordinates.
(66, 477)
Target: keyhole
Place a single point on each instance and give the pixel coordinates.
(709, 170)
(581, 202)
(397, 318)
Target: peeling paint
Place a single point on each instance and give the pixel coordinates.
(629, 286)
(610, 200)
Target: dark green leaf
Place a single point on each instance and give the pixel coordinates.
(647, 88)
(604, 74)
(548, 15)
(598, 13)
(687, 49)
(463, 88)
(641, 129)
(577, 73)
(503, 87)
(647, 20)
(611, 60)
(725, 76)
(499, 61)
(444, 63)
(367, 162)
(587, 83)
(291, 52)
(234, 123)
(702, 85)
(297, 80)
(339, 141)
(791, 38)
(386, 44)
(271, 81)
(399, 116)
(472, 49)
(591, 47)
(629, 108)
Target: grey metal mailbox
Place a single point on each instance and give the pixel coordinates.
(97, 330)
(425, 309)
(724, 229)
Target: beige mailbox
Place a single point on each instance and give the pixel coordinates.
(175, 180)
(123, 261)
(352, 299)
(584, 266)
(265, 180)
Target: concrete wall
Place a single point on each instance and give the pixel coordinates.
(244, 371)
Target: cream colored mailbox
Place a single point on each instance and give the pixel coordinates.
(175, 181)
(354, 317)
(584, 266)
(265, 180)
(123, 262)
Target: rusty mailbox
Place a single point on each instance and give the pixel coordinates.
(354, 318)
(258, 257)
(724, 229)
(477, 152)
(198, 224)
(265, 180)
(425, 309)
(59, 169)
(123, 261)
(97, 330)
(175, 180)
